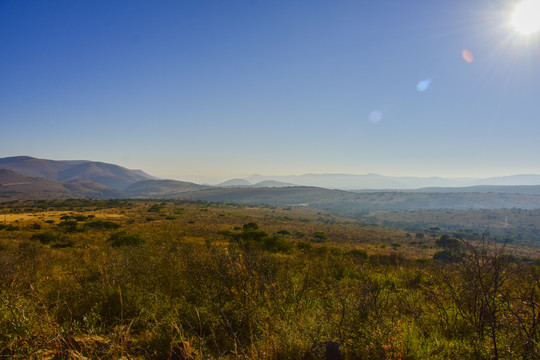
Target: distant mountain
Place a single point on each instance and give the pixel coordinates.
(380, 182)
(160, 188)
(273, 183)
(47, 169)
(356, 182)
(524, 179)
(242, 183)
(15, 186)
(113, 176)
(498, 189)
(235, 183)
(143, 174)
(25, 177)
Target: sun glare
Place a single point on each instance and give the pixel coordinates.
(526, 16)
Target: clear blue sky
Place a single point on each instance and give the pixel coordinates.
(225, 88)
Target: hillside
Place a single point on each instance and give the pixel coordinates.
(110, 175)
(350, 204)
(160, 188)
(15, 186)
(298, 195)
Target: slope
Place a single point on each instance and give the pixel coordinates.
(113, 176)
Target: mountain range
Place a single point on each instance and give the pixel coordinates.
(113, 176)
(24, 177)
(381, 182)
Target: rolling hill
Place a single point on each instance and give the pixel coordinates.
(160, 188)
(350, 204)
(25, 177)
(15, 186)
(113, 176)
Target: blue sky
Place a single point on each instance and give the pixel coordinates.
(209, 90)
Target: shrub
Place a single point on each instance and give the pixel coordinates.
(251, 237)
(359, 255)
(304, 245)
(448, 243)
(123, 238)
(69, 225)
(335, 251)
(447, 256)
(251, 226)
(276, 244)
(103, 224)
(63, 243)
(46, 237)
(54, 240)
(320, 236)
(155, 208)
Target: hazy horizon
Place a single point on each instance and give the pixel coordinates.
(214, 90)
(254, 178)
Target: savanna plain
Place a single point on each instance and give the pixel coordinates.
(151, 279)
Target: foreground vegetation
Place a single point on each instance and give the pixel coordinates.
(181, 280)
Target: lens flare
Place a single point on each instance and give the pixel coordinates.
(467, 56)
(423, 85)
(375, 116)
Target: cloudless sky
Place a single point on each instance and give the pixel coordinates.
(209, 90)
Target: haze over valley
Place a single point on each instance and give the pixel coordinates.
(31, 178)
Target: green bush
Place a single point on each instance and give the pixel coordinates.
(69, 225)
(304, 245)
(448, 243)
(320, 236)
(251, 237)
(54, 240)
(251, 226)
(102, 225)
(123, 238)
(447, 256)
(47, 237)
(358, 255)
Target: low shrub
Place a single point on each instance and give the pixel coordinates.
(102, 225)
(123, 238)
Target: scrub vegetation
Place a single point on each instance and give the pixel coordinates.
(106, 279)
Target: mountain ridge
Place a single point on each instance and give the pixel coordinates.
(16, 186)
(113, 176)
(380, 182)
(90, 179)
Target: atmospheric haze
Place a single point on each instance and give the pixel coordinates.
(209, 91)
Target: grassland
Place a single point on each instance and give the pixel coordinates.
(195, 280)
